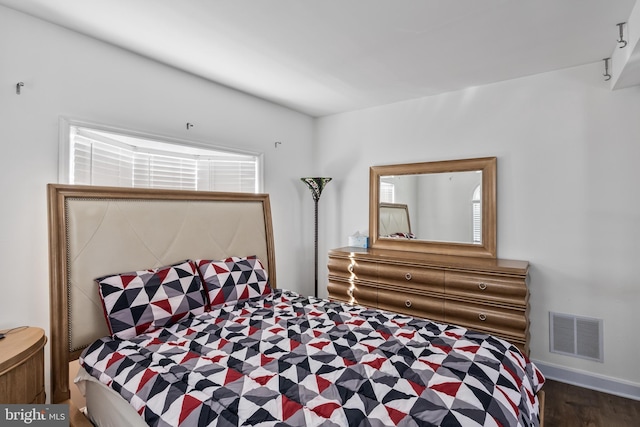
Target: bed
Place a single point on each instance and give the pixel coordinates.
(267, 357)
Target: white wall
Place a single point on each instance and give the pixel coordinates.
(568, 153)
(71, 75)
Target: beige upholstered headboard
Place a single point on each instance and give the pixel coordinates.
(394, 218)
(96, 231)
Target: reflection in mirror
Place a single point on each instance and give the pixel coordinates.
(394, 221)
(445, 207)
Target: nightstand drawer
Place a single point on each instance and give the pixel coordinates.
(499, 289)
(22, 366)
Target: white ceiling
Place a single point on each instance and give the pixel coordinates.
(327, 56)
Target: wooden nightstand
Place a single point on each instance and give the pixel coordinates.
(22, 366)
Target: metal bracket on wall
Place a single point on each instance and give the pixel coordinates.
(606, 74)
(621, 40)
(19, 87)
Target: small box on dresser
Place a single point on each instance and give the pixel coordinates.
(485, 294)
(22, 366)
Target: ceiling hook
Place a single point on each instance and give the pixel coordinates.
(606, 74)
(621, 39)
(18, 87)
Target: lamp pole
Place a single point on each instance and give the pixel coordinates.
(316, 185)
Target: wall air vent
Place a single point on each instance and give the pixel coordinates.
(576, 336)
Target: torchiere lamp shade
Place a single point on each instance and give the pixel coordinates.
(316, 185)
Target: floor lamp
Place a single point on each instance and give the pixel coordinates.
(316, 185)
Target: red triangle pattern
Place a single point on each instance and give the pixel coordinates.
(377, 363)
(432, 365)
(163, 273)
(289, 407)
(148, 374)
(189, 403)
(326, 409)
(163, 304)
(395, 415)
(116, 357)
(323, 384)
(470, 348)
(419, 389)
(450, 389)
(263, 380)
(190, 355)
(408, 335)
(320, 345)
(126, 279)
(232, 375)
(219, 269)
(265, 360)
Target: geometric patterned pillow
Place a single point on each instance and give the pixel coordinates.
(233, 279)
(143, 301)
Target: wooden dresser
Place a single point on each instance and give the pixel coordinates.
(484, 294)
(22, 366)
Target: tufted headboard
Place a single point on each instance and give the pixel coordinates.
(96, 231)
(394, 218)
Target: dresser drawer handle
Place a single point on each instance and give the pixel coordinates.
(408, 303)
(350, 268)
(482, 286)
(407, 276)
(482, 317)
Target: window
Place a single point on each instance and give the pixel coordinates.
(95, 156)
(477, 215)
(387, 192)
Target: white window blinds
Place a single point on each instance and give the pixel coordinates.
(387, 192)
(477, 215)
(102, 158)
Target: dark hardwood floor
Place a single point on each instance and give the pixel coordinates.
(570, 406)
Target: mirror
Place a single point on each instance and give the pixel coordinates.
(446, 207)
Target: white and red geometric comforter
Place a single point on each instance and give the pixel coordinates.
(287, 360)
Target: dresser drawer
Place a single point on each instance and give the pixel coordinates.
(412, 277)
(352, 269)
(356, 293)
(410, 303)
(505, 322)
(485, 287)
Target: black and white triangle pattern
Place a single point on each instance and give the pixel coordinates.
(285, 360)
(142, 301)
(233, 279)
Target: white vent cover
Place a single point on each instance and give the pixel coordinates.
(576, 336)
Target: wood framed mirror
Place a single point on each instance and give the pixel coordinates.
(450, 204)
